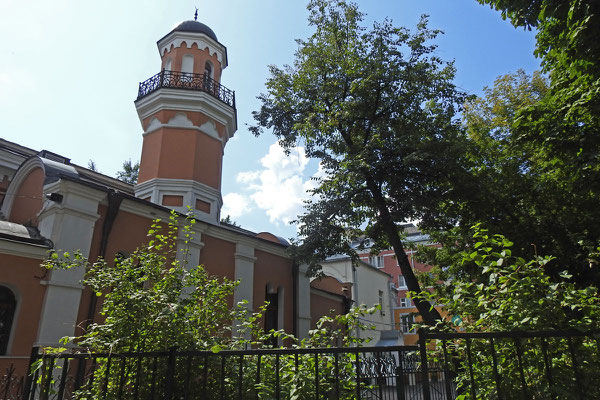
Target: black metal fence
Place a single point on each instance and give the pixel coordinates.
(188, 81)
(386, 373)
(445, 366)
(515, 365)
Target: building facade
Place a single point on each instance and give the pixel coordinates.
(50, 204)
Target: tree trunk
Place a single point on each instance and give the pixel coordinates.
(429, 314)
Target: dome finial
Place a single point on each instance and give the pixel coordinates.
(196, 15)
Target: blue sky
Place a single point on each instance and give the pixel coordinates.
(69, 71)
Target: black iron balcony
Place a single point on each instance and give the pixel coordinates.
(187, 81)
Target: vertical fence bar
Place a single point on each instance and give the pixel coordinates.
(106, 376)
(424, 366)
(122, 379)
(575, 367)
(205, 378)
(277, 376)
(400, 377)
(316, 376)
(470, 361)
(29, 380)
(496, 374)
(257, 381)
(170, 373)
(241, 377)
(548, 367)
(519, 348)
(336, 358)
(47, 377)
(188, 373)
(357, 374)
(153, 385)
(446, 375)
(222, 377)
(63, 378)
(378, 371)
(136, 385)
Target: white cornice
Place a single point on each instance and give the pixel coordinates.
(201, 40)
(11, 160)
(188, 100)
(144, 210)
(20, 249)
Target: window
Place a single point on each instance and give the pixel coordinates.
(168, 64)
(376, 261)
(401, 281)
(381, 302)
(187, 64)
(405, 302)
(271, 314)
(406, 323)
(208, 70)
(8, 304)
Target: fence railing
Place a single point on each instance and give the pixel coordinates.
(370, 373)
(515, 365)
(501, 365)
(187, 81)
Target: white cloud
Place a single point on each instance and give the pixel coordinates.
(280, 187)
(235, 205)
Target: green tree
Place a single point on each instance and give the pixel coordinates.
(92, 165)
(512, 191)
(563, 126)
(129, 173)
(511, 294)
(377, 107)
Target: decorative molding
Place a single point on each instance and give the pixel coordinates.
(188, 100)
(181, 121)
(22, 173)
(201, 40)
(245, 257)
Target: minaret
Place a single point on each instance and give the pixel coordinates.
(187, 118)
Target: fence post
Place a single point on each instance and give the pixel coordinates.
(35, 355)
(170, 373)
(400, 377)
(424, 366)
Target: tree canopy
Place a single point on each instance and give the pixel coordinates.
(129, 173)
(377, 108)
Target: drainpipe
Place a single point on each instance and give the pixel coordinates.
(114, 203)
(295, 298)
(355, 287)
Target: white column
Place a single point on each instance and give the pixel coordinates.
(70, 226)
(244, 272)
(303, 292)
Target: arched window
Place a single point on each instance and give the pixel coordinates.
(168, 64)
(187, 64)
(8, 304)
(271, 313)
(208, 70)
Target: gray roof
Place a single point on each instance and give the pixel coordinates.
(195, 26)
(21, 233)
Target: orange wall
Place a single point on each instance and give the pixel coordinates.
(28, 201)
(200, 57)
(276, 271)
(22, 275)
(176, 153)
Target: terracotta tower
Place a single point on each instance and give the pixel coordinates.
(187, 118)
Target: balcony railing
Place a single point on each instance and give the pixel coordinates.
(187, 81)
